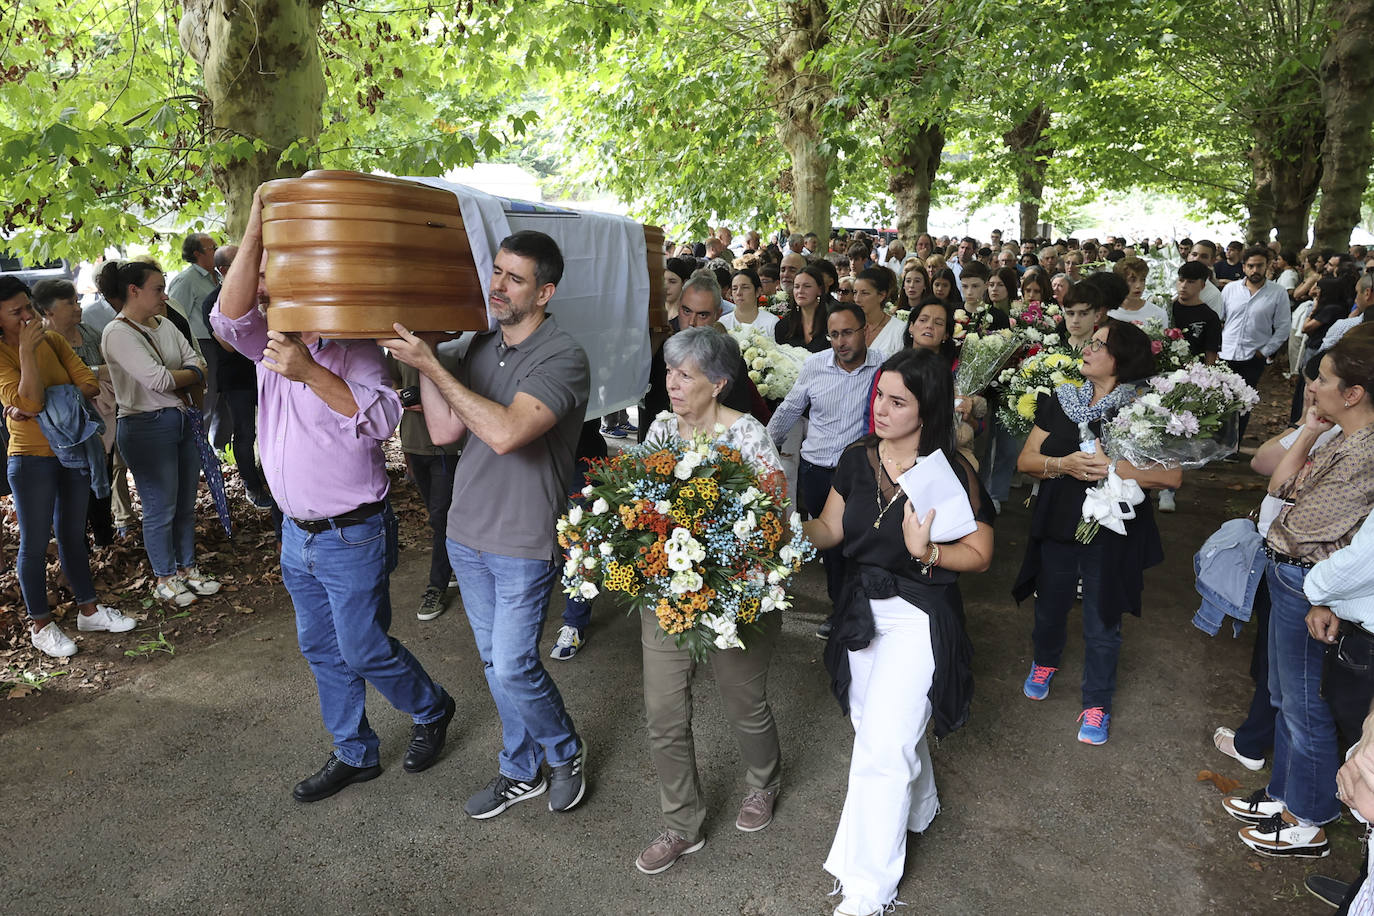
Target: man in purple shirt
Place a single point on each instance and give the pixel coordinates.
(324, 408)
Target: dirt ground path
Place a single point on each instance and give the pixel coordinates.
(171, 791)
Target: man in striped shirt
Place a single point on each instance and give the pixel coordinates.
(834, 384)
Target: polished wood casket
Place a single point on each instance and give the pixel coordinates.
(349, 254)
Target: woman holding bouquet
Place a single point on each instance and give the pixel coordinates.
(1326, 498)
(1062, 451)
(701, 364)
(898, 654)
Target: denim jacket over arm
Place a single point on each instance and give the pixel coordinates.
(1229, 567)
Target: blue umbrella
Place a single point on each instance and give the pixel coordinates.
(209, 463)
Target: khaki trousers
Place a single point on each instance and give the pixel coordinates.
(742, 678)
(120, 508)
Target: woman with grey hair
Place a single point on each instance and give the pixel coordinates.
(701, 366)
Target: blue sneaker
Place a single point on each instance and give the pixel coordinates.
(614, 432)
(1095, 721)
(1037, 685)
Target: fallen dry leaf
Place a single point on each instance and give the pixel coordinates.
(1225, 785)
(243, 610)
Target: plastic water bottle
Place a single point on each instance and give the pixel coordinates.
(1086, 439)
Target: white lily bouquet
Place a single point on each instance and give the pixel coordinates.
(981, 357)
(772, 367)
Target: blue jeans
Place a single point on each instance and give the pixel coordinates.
(161, 452)
(340, 583)
(813, 489)
(46, 494)
(1305, 753)
(507, 600)
(1001, 463)
(1061, 566)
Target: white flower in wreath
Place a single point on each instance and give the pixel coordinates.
(727, 634)
(689, 462)
(745, 526)
(685, 581)
(774, 577)
(600, 507)
(789, 554)
(587, 591)
(575, 515)
(589, 562)
(606, 549)
(663, 507)
(587, 490)
(679, 562)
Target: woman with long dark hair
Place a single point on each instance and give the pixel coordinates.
(156, 376)
(944, 285)
(898, 654)
(804, 325)
(873, 289)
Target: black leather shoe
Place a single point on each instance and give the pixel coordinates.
(426, 741)
(333, 776)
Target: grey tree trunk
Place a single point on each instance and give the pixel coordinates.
(1347, 71)
(265, 82)
(1030, 157)
(801, 92)
(910, 175)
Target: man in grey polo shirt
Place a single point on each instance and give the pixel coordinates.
(520, 397)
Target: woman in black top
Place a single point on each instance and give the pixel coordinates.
(804, 325)
(1112, 566)
(898, 654)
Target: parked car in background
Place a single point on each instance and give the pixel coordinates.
(30, 272)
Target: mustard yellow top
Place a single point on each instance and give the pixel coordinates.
(58, 364)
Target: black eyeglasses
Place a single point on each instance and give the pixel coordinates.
(841, 335)
(1095, 345)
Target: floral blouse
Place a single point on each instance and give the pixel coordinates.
(746, 434)
(1327, 500)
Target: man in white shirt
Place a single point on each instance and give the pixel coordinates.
(1256, 320)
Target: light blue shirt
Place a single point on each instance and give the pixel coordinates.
(1344, 581)
(838, 400)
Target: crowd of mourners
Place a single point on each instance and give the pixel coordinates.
(151, 375)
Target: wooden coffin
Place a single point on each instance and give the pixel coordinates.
(350, 254)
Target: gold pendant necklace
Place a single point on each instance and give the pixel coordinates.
(878, 492)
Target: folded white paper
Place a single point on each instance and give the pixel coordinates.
(932, 484)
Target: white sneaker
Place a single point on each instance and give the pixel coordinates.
(855, 906)
(175, 591)
(105, 618)
(51, 641)
(1166, 501)
(198, 582)
(569, 641)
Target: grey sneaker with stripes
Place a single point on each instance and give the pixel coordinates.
(501, 793)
